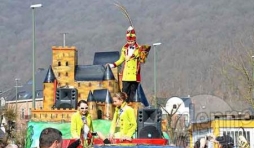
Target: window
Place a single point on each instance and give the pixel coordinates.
(39, 93)
(66, 74)
(67, 63)
(22, 113)
(59, 63)
(235, 133)
(174, 106)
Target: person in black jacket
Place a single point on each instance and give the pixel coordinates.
(225, 141)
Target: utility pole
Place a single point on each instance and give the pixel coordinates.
(16, 86)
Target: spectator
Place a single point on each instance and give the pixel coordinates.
(50, 138)
(225, 141)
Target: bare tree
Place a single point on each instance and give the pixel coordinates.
(237, 69)
(175, 127)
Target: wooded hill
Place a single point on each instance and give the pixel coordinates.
(193, 34)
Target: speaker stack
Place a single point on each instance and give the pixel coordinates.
(66, 98)
(149, 123)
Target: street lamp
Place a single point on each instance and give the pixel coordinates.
(33, 73)
(155, 72)
(252, 59)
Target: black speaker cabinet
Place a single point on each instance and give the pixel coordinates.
(149, 123)
(66, 98)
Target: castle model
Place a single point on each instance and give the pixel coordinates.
(67, 82)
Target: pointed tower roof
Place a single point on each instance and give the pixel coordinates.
(90, 97)
(50, 76)
(108, 98)
(108, 75)
(141, 96)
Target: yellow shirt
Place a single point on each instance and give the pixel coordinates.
(125, 120)
(77, 124)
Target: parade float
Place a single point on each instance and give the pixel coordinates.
(67, 82)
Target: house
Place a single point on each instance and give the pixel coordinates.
(212, 115)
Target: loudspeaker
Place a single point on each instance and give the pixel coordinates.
(66, 98)
(149, 123)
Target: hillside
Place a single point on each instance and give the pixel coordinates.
(192, 32)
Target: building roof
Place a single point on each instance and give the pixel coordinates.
(102, 58)
(25, 92)
(202, 107)
(89, 72)
(50, 76)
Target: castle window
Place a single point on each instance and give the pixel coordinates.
(59, 63)
(174, 106)
(59, 74)
(67, 64)
(66, 74)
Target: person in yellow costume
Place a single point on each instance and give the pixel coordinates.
(124, 124)
(81, 122)
(130, 56)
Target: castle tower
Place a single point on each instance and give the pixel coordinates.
(64, 60)
(49, 90)
(108, 110)
(92, 106)
(109, 80)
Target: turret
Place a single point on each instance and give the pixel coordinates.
(92, 107)
(49, 89)
(109, 80)
(108, 110)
